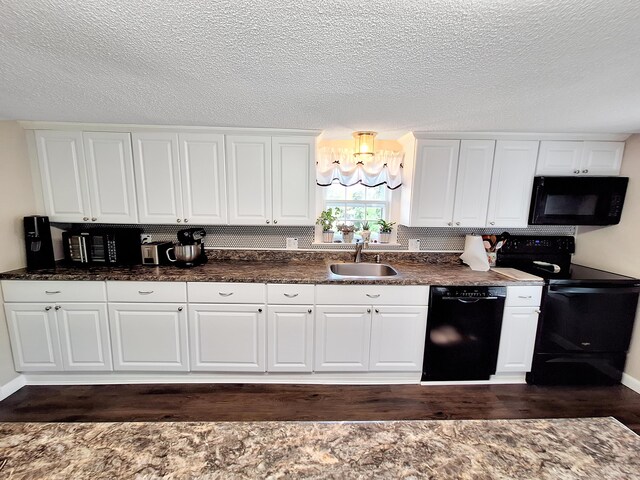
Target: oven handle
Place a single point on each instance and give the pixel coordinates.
(555, 289)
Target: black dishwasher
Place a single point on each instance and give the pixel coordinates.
(463, 333)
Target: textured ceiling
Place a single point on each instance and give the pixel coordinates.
(337, 65)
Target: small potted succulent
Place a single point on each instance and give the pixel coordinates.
(347, 232)
(385, 230)
(365, 232)
(326, 220)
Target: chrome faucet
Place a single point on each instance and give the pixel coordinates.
(358, 257)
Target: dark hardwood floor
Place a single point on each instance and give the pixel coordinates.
(207, 402)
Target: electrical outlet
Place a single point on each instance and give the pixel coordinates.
(292, 243)
(145, 238)
(414, 245)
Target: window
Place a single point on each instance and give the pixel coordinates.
(358, 203)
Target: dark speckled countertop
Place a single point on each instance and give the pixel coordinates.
(284, 267)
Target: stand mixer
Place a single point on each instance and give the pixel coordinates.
(190, 251)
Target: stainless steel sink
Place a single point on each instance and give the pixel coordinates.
(362, 269)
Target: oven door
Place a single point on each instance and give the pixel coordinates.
(587, 319)
(577, 201)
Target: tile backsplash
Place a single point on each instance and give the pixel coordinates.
(274, 237)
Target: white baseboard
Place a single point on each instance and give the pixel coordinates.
(12, 386)
(632, 383)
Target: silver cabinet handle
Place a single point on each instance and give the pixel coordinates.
(259, 310)
(268, 221)
(47, 308)
(372, 296)
(309, 310)
(537, 310)
(224, 294)
(457, 223)
(179, 309)
(52, 292)
(377, 311)
(186, 220)
(368, 310)
(585, 344)
(57, 307)
(492, 223)
(178, 220)
(93, 219)
(86, 219)
(576, 171)
(524, 296)
(275, 221)
(585, 171)
(449, 223)
(145, 292)
(291, 295)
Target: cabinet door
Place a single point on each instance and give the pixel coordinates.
(602, 158)
(517, 339)
(434, 183)
(559, 158)
(397, 338)
(342, 339)
(157, 168)
(227, 338)
(84, 336)
(204, 189)
(110, 176)
(34, 337)
(290, 338)
(293, 173)
(511, 183)
(149, 336)
(473, 182)
(64, 178)
(249, 179)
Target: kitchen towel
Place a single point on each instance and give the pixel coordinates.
(474, 253)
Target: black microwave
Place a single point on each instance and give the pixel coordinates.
(108, 246)
(577, 200)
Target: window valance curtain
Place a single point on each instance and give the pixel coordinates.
(385, 167)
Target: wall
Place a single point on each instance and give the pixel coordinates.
(615, 247)
(16, 200)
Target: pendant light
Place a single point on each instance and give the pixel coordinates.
(364, 145)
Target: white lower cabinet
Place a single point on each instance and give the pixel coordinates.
(342, 338)
(149, 336)
(517, 339)
(290, 338)
(227, 338)
(397, 338)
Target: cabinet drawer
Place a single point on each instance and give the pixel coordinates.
(290, 294)
(372, 294)
(59, 291)
(219, 292)
(525, 296)
(157, 292)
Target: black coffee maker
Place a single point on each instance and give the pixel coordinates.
(37, 239)
(194, 236)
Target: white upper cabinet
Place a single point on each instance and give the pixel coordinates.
(110, 177)
(157, 168)
(560, 158)
(473, 181)
(64, 177)
(511, 183)
(249, 179)
(293, 174)
(434, 184)
(204, 190)
(271, 180)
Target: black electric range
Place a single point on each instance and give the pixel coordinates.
(587, 314)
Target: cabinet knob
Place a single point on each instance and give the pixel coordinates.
(449, 223)
(86, 219)
(576, 171)
(57, 307)
(275, 221)
(268, 221)
(585, 171)
(47, 308)
(179, 309)
(537, 311)
(93, 219)
(309, 310)
(178, 220)
(457, 223)
(492, 223)
(368, 310)
(377, 311)
(186, 220)
(259, 310)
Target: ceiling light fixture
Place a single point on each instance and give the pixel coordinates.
(364, 145)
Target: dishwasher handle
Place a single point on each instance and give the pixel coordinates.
(469, 300)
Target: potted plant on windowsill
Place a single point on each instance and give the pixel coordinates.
(326, 220)
(365, 231)
(347, 232)
(385, 230)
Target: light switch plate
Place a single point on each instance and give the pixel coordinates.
(292, 243)
(414, 245)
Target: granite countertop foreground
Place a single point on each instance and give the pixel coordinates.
(590, 448)
(283, 267)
